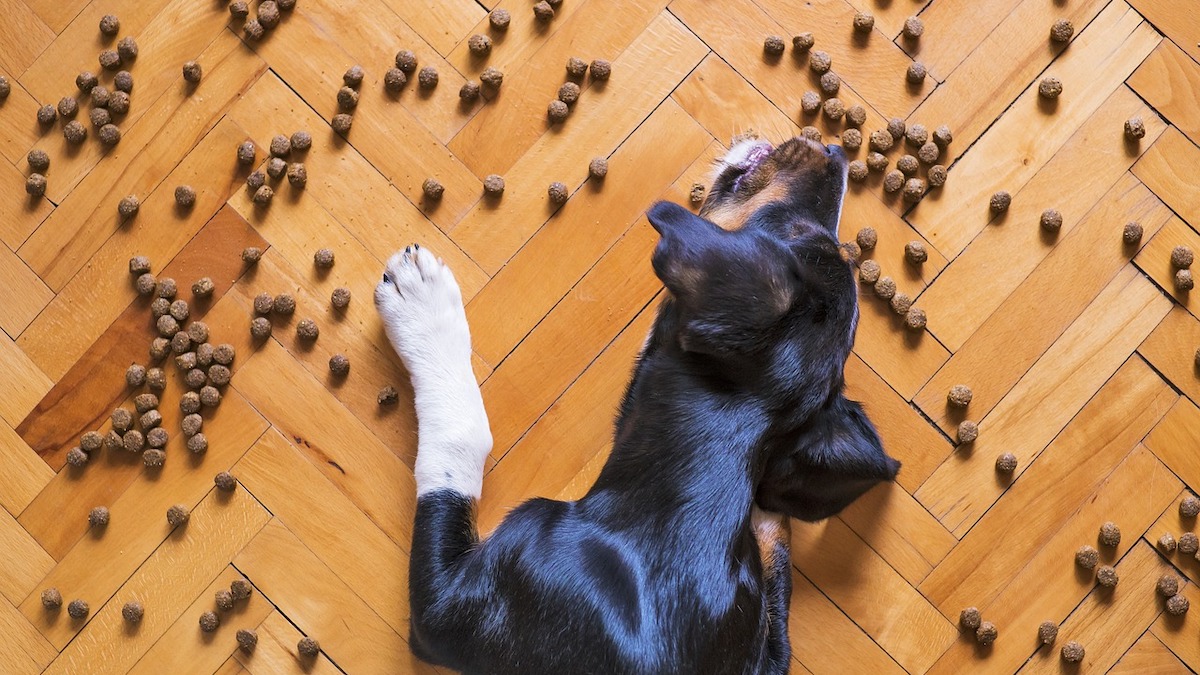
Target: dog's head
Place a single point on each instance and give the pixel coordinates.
(763, 302)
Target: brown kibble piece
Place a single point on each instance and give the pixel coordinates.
(1183, 280)
(968, 431)
(239, 9)
(881, 141)
(1189, 507)
(247, 640)
(491, 78)
(598, 167)
(576, 67)
(1047, 632)
(127, 47)
(109, 135)
(340, 297)
(929, 152)
(74, 132)
(1167, 542)
(856, 116)
(696, 195)
(969, 618)
(959, 396)
(339, 364)
(51, 598)
(35, 185)
(210, 396)
(942, 136)
(225, 481)
(110, 24)
(479, 45)
(98, 516)
(135, 375)
(285, 304)
(1006, 463)
(773, 45)
(916, 72)
(834, 109)
(406, 61)
(195, 378)
(223, 599)
(109, 59)
(133, 611)
(1050, 88)
(323, 258)
(543, 11)
(268, 14)
(1073, 652)
(427, 78)
(85, 81)
(192, 72)
(185, 196)
(157, 437)
(308, 647)
(913, 27)
(893, 181)
(209, 622)
(341, 123)
(219, 374)
(150, 419)
(1110, 534)
(301, 141)
(121, 420)
(568, 93)
(1107, 576)
(864, 22)
(189, 402)
(246, 153)
(241, 589)
(500, 18)
(916, 319)
(1188, 543)
(134, 441)
(857, 171)
(347, 98)
(1087, 557)
(803, 42)
(1168, 585)
(203, 287)
(1000, 202)
(145, 284)
(885, 288)
(557, 111)
(1051, 220)
(260, 328)
(39, 160)
(388, 396)
(192, 424)
(1177, 605)
(432, 189)
(156, 379)
(851, 250)
(1132, 233)
(263, 303)
(144, 403)
(986, 633)
(600, 69)
(819, 62)
(1062, 30)
(868, 272)
(68, 107)
(160, 347)
(263, 195)
(914, 190)
(1182, 257)
(307, 330)
(810, 102)
(91, 441)
(77, 457)
(469, 91)
(1135, 128)
(900, 303)
(78, 609)
(128, 206)
(557, 192)
(178, 515)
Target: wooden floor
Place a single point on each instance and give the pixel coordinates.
(1078, 349)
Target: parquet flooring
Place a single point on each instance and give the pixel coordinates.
(1080, 350)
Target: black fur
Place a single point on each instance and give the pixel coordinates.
(736, 398)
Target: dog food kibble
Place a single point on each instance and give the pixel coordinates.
(1110, 534)
(1188, 543)
(339, 364)
(1006, 463)
(916, 72)
(697, 193)
(830, 83)
(308, 647)
(246, 153)
(893, 181)
(968, 431)
(469, 91)
(1135, 128)
(185, 196)
(203, 287)
(347, 98)
(598, 167)
(110, 24)
(195, 378)
(913, 27)
(135, 375)
(1087, 557)
(600, 69)
(868, 272)
(851, 250)
(110, 135)
(1050, 87)
(851, 138)
(986, 633)
(388, 396)
(39, 161)
(67, 107)
(210, 397)
(881, 141)
(100, 118)
(1062, 30)
(834, 109)
(914, 252)
(127, 47)
(145, 284)
(908, 165)
(268, 14)
(241, 589)
(1177, 605)
(810, 102)
(74, 132)
(122, 81)
(568, 93)
(885, 288)
(960, 396)
(263, 195)
(811, 133)
(340, 297)
(432, 189)
(78, 609)
(1047, 632)
(223, 600)
(189, 402)
(916, 135)
(133, 611)
(969, 618)
(819, 62)
(492, 78)
(1189, 507)
(239, 9)
(91, 441)
(47, 115)
(557, 111)
(341, 123)
(128, 206)
(178, 514)
(225, 481)
(99, 95)
(858, 171)
(929, 152)
(896, 128)
(192, 424)
(914, 190)
(157, 437)
(263, 303)
(1182, 257)
(500, 18)
(856, 116)
(773, 45)
(323, 258)
(219, 374)
(156, 379)
(118, 103)
(877, 161)
(150, 419)
(180, 312)
(1072, 652)
(406, 61)
(1168, 585)
(1107, 576)
(307, 330)
(209, 622)
(260, 328)
(109, 59)
(942, 136)
(159, 347)
(76, 457)
(134, 441)
(35, 184)
(1183, 280)
(900, 303)
(51, 598)
(543, 12)
(1167, 542)
(121, 420)
(1000, 202)
(427, 78)
(864, 22)
(1132, 233)
(247, 640)
(98, 516)
(1051, 220)
(558, 192)
(144, 403)
(803, 42)
(916, 319)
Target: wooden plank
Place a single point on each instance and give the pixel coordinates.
(25, 473)
(602, 120)
(900, 530)
(25, 294)
(1095, 162)
(1045, 399)
(569, 434)
(854, 577)
(1018, 145)
(881, 333)
(1044, 584)
(1174, 439)
(1149, 656)
(1023, 326)
(1176, 26)
(89, 388)
(825, 640)
(1168, 168)
(1108, 622)
(183, 648)
(143, 163)
(554, 259)
(56, 14)
(625, 40)
(23, 651)
(324, 519)
(1178, 633)
(1170, 350)
(890, 16)
(391, 223)
(23, 35)
(1155, 260)
(101, 291)
(24, 383)
(1172, 522)
(948, 40)
(322, 605)
(1170, 81)
(276, 650)
(183, 566)
(23, 560)
(19, 130)
(299, 406)
(20, 216)
(1074, 466)
(443, 28)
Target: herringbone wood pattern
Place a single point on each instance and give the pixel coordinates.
(1079, 350)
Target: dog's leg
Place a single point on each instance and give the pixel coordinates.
(773, 531)
(422, 311)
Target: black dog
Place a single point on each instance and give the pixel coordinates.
(666, 565)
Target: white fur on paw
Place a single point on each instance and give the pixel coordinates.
(422, 311)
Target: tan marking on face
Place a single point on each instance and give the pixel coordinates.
(733, 215)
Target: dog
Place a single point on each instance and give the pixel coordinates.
(676, 560)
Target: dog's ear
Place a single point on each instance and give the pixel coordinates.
(684, 237)
(835, 458)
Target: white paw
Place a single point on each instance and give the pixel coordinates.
(422, 311)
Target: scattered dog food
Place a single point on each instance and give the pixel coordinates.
(877, 161)
(986, 634)
(500, 18)
(1107, 576)
(1110, 534)
(156, 379)
(167, 288)
(122, 81)
(916, 135)
(91, 441)
(773, 45)
(260, 328)
(893, 181)
(387, 396)
(109, 59)
(98, 516)
(557, 111)
(908, 165)
(263, 303)
(219, 374)
(77, 457)
(263, 195)
(192, 72)
(121, 420)
(1177, 605)
(1006, 463)
(916, 72)
(109, 135)
(810, 102)
(209, 622)
(856, 116)
(1167, 542)
(133, 611)
(803, 42)
(600, 69)
(880, 141)
(78, 609)
(110, 24)
(851, 250)
(35, 184)
(696, 195)
(308, 647)
(195, 379)
(568, 93)
(468, 92)
(914, 252)
(1135, 129)
(159, 346)
(178, 514)
(916, 319)
(1062, 30)
(1050, 88)
(347, 98)
(811, 133)
(353, 76)
(85, 81)
(1072, 652)
(558, 192)
(959, 396)
(970, 618)
(167, 326)
(493, 185)
(427, 78)
(819, 62)
(38, 160)
(307, 330)
(341, 123)
(942, 136)
(1132, 233)
(67, 107)
(858, 171)
(128, 206)
(241, 589)
(913, 28)
(238, 9)
(185, 196)
(189, 402)
(339, 365)
(830, 83)
(492, 78)
(340, 297)
(406, 61)
(834, 109)
(929, 152)
(1168, 585)
(268, 14)
(225, 481)
(323, 258)
(301, 141)
(203, 287)
(968, 431)
(1183, 280)
(1047, 632)
(127, 48)
(150, 419)
(1182, 257)
(248, 639)
(432, 189)
(99, 95)
(1189, 507)
(145, 284)
(900, 303)
(192, 424)
(1000, 202)
(885, 288)
(135, 375)
(598, 167)
(224, 600)
(868, 272)
(51, 598)
(543, 12)
(210, 397)
(1051, 220)
(864, 22)
(246, 152)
